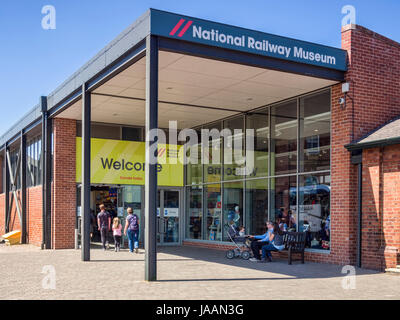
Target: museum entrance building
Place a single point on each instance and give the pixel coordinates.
(90, 141)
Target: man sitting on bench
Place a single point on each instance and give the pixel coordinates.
(259, 241)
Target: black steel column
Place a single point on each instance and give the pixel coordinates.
(85, 189)
(23, 189)
(150, 240)
(47, 158)
(6, 190)
(43, 107)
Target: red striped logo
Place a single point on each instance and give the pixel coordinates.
(161, 151)
(178, 25)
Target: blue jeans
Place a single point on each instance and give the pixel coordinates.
(133, 239)
(266, 250)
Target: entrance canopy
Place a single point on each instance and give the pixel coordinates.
(193, 91)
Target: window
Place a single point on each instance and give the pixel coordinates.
(233, 206)
(256, 206)
(284, 138)
(314, 209)
(258, 121)
(212, 202)
(194, 172)
(234, 148)
(34, 162)
(213, 151)
(283, 202)
(101, 131)
(132, 134)
(315, 129)
(194, 212)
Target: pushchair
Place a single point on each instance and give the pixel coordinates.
(242, 249)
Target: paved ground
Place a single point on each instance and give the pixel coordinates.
(183, 273)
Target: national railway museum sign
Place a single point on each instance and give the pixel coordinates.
(220, 35)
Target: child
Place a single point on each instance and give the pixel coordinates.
(241, 231)
(117, 228)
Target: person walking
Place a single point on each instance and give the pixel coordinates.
(104, 224)
(132, 230)
(117, 228)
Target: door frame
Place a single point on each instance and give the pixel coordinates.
(162, 189)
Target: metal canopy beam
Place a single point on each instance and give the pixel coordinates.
(150, 169)
(23, 189)
(85, 189)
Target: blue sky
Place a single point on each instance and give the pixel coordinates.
(33, 61)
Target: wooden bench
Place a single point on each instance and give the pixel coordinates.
(294, 243)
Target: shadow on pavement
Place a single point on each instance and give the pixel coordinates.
(309, 270)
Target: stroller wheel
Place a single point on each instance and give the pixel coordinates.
(237, 252)
(230, 254)
(245, 255)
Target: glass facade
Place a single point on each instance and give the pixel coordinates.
(289, 182)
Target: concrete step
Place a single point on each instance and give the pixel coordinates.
(393, 270)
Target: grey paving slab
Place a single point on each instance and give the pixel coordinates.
(183, 273)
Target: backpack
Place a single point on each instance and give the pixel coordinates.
(133, 223)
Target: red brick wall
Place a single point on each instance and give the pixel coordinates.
(343, 187)
(34, 215)
(64, 185)
(381, 207)
(374, 73)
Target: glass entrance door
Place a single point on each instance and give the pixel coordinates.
(168, 216)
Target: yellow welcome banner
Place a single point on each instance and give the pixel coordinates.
(123, 162)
